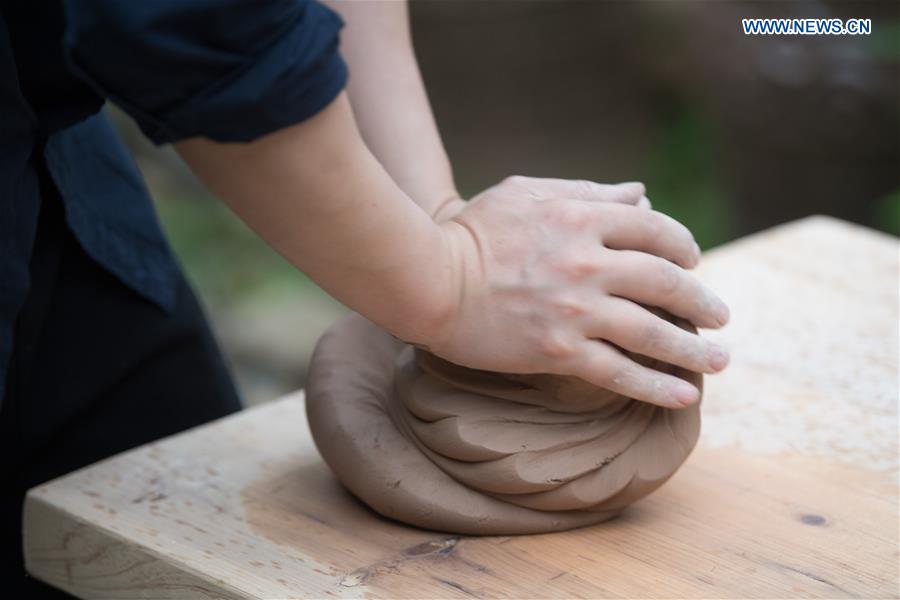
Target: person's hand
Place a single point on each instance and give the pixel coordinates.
(531, 276)
(631, 192)
(551, 275)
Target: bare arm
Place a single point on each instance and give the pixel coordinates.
(315, 193)
(390, 103)
(532, 276)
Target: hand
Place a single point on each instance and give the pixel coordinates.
(623, 193)
(551, 276)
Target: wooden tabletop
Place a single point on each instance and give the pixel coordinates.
(791, 492)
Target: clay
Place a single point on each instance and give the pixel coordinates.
(444, 447)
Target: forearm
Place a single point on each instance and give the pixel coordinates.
(512, 283)
(316, 194)
(390, 103)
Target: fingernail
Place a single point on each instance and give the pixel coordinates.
(685, 394)
(718, 357)
(722, 313)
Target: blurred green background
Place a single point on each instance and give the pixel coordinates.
(731, 134)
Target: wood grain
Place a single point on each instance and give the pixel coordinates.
(792, 491)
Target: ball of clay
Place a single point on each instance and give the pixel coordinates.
(444, 447)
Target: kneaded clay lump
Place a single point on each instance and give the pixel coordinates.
(444, 447)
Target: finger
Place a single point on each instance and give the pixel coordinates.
(631, 228)
(580, 189)
(650, 280)
(638, 330)
(604, 366)
(630, 192)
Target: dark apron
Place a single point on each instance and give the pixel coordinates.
(95, 369)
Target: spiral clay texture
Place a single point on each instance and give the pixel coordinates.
(444, 447)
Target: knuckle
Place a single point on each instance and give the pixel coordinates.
(650, 336)
(640, 188)
(584, 189)
(598, 372)
(668, 278)
(570, 215)
(692, 352)
(556, 347)
(515, 180)
(621, 378)
(565, 306)
(580, 267)
(655, 389)
(575, 265)
(654, 225)
(606, 262)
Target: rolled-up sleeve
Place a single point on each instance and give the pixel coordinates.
(229, 70)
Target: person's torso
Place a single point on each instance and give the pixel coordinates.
(56, 144)
(51, 118)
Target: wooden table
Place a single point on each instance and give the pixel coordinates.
(792, 491)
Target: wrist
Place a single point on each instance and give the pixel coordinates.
(460, 264)
(439, 302)
(421, 310)
(447, 208)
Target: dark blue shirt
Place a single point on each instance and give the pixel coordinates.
(229, 70)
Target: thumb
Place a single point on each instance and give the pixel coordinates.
(630, 192)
